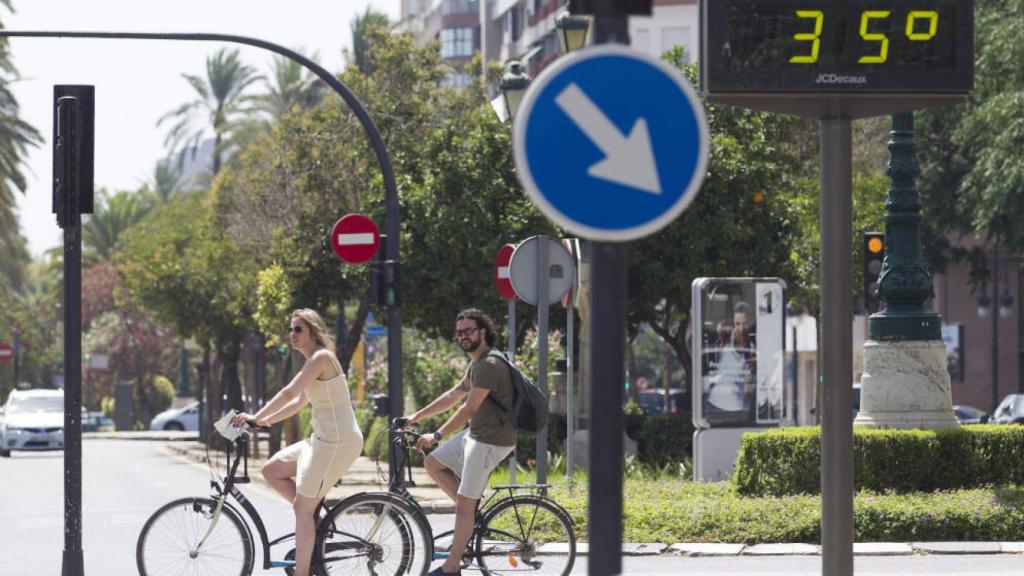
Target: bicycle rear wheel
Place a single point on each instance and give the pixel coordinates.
(374, 533)
(526, 534)
(168, 542)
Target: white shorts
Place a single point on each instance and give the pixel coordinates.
(472, 461)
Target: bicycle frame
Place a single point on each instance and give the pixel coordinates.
(398, 485)
(227, 487)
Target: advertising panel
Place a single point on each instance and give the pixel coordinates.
(738, 352)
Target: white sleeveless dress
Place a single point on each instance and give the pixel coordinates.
(336, 441)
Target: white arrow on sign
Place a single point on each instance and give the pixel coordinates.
(629, 160)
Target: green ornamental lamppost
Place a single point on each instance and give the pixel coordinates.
(904, 283)
(905, 383)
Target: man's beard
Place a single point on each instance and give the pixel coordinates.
(472, 347)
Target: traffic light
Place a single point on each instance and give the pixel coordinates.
(383, 278)
(874, 254)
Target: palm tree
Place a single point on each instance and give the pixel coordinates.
(113, 215)
(361, 25)
(166, 180)
(292, 86)
(219, 103)
(16, 136)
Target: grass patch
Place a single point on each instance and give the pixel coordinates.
(670, 510)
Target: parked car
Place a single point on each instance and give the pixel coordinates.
(177, 419)
(970, 414)
(96, 422)
(1010, 410)
(652, 400)
(33, 420)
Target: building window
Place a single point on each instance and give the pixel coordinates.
(460, 6)
(672, 37)
(456, 42)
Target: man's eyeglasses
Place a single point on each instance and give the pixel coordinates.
(466, 332)
(295, 329)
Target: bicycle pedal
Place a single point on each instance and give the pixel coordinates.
(282, 563)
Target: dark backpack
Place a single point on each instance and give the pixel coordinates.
(530, 408)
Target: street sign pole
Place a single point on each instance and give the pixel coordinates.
(837, 369)
(542, 351)
(16, 343)
(651, 158)
(608, 373)
(512, 464)
(570, 411)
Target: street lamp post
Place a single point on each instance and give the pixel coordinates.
(985, 309)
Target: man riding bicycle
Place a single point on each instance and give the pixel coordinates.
(462, 465)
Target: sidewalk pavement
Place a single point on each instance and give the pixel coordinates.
(362, 477)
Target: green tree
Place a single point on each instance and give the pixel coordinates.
(177, 264)
(972, 179)
(219, 106)
(166, 181)
(112, 216)
(366, 27)
(16, 136)
(291, 85)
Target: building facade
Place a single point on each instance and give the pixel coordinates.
(504, 30)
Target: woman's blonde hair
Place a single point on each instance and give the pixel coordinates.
(317, 328)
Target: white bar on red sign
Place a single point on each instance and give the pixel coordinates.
(6, 353)
(355, 239)
(503, 272)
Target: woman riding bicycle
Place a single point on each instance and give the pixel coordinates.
(318, 462)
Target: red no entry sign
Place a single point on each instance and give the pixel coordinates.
(501, 273)
(6, 352)
(355, 238)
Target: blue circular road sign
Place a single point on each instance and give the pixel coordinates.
(610, 143)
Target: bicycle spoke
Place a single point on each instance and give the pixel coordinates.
(167, 545)
(517, 536)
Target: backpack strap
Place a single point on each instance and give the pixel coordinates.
(499, 354)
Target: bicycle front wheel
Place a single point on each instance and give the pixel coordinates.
(169, 541)
(376, 534)
(526, 534)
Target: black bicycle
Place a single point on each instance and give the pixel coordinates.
(373, 533)
(518, 528)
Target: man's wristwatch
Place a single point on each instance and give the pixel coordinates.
(438, 436)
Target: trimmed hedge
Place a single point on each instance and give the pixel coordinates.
(788, 460)
(661, 439)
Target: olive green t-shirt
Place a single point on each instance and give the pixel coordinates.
(490, 424)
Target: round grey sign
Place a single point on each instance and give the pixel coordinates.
(523, 270)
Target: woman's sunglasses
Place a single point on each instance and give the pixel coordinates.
(295, 329)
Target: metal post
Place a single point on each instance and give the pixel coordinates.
(16, 344)
(607, 374)
(543, 275)
(837, 348)
(512, 464)
(69, 132)
(995, 328)
(570, 398)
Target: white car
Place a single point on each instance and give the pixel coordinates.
(177, 419)
(33, 420)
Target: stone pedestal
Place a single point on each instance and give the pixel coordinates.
(905, 385)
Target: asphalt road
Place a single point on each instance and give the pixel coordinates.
(125, 481)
